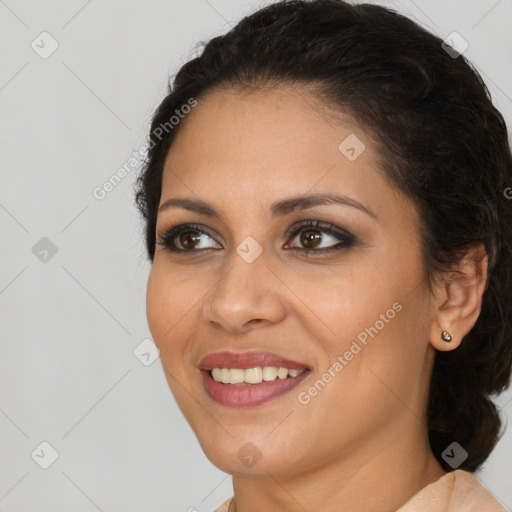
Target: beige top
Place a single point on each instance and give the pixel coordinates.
(456, 491)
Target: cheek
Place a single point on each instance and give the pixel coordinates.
(167, 302)
(170, 314)
(349, 301)
(375, 318)
(382, 358)
(155, 306)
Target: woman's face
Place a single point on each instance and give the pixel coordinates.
(357, 317)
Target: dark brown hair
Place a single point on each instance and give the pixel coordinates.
(442, 143)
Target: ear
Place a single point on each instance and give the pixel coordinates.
(459, 298)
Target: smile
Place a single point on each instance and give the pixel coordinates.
(243, 394)
(252, 375)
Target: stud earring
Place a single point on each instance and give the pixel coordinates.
(446, 336)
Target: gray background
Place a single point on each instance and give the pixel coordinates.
(70, 324)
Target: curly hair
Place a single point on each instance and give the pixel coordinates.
(441, 141)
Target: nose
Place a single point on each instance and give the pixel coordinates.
(247, 295)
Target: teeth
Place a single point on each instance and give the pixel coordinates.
(236, 376)
(252, 375)
(269, 373)
(224, 376)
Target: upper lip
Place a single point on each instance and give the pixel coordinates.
(245, 360)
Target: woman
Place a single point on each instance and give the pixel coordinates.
(326, 215)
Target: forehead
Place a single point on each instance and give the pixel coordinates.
(268, 144)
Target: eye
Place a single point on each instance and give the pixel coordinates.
(189, 238)
(309, 234)
(184, 238)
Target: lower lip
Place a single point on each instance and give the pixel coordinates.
(249, 395)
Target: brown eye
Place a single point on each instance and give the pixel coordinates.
(312, 234)
(310, 239)
(189, 240)
(186, 238)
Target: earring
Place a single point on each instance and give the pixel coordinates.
(446, 336)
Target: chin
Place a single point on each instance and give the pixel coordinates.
(243, 456)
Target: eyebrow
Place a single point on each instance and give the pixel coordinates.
(278, 209)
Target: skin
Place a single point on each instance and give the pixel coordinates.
(366, 429)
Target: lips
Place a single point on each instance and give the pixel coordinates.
(247, 360)
(250, 395)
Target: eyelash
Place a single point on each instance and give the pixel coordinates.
(347, 240)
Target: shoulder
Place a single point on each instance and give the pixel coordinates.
(224, 507)
(456, 491)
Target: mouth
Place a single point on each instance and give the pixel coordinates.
(249, 379)
(237, 392)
